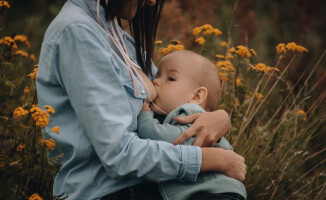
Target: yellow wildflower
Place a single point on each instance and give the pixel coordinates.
(20, 147)
(301, 48)
(207, 26)
(35, 197)
(158, 42)
(225, 65)
(21, 53)
(224, 76)
(302, 113)
(49, 144)
(200, 40)
(9, 42)
(264, 68)
(253, 52)
(219, 56)
(208, 32)
(55, 129)
(175, 45)
(291, 46)
(280, 48)
(4, 4)
(22, 39)
(197, 31)
(206, 29)
(19, 112)
(217, 32)
(32, 57)
(34, 73)
(223, 44)
(49, 109)
(41, 117)
(259, 96)
(26, 90)
(229, 56)
(243, 51)
(232, 50)
(238, 82)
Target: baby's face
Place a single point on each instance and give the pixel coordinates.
(174, 83)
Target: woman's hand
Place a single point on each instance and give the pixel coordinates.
(224, 161)
(208, 127)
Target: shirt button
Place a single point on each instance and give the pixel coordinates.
(143, 92)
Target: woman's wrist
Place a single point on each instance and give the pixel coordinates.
(224, 161)
(212, 159)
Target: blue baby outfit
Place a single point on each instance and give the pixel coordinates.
(169, 130)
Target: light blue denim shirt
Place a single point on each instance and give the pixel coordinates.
(82, 76)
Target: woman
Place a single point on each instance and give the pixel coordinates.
(87, 73)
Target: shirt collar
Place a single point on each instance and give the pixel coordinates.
(91, 10)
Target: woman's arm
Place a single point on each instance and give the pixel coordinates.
(208, 127)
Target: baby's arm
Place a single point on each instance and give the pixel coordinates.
(150, 128)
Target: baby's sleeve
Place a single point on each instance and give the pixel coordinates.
(150, 128)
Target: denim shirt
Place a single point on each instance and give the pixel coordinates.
(82, 76)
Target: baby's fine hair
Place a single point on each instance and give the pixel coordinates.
(209, 78)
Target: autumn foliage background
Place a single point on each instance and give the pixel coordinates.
(278, 115)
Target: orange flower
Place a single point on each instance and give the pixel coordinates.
(243, 51)
(21, 53)
(55, 129)
(49, 144)
(34, 73)
(4, 4)
(35, 197)
(200, 40)
(32, 57)
(49, 109)
(41, 117)
(158, 42)
(22, 39)
(26, 90)
(224, 44)
(20, 147)
(9, 42)
(238, 82)
(19, 112)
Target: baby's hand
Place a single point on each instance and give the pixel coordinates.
(146, 107)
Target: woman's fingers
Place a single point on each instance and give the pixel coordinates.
(236, 166)
(199, 141)
(185, 135)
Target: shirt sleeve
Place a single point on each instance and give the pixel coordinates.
(149, 127)
(99, 99)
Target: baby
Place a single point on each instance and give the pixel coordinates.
(187, 83)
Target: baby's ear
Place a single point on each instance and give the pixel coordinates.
(199, 96)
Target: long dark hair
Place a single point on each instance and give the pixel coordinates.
(143, 27)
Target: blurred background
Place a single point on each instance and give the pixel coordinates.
(257, 24)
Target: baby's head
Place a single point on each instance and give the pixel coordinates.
(186, 77)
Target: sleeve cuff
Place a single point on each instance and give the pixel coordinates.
(191, 161)
(145, 114)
